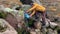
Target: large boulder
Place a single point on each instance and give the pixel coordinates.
(8, 30)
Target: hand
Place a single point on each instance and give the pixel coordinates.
(26, 15)
(27, 11)
(30, 15)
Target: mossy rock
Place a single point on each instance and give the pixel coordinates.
(3, 27)
(3, 15)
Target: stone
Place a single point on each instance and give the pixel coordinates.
(47, 22)
(44, 30)
(50, 31)
(9, 29)
(37, 31)
(37, 25)
(55, 31)
(32, 32)
(53, 25)
(1, 7)
(11, 20)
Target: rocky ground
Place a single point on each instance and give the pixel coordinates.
(15, 21)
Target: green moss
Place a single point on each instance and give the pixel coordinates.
(2, 29)
(2, 15)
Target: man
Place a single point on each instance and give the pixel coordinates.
(35, 8)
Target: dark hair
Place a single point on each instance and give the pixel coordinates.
(26, 1)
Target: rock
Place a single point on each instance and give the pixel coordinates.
(32, 32)
(3, 14)
(50, 31)
(37, 31)
(3, 27)
(11, 20)
(53, 18)
(16, 7)
(2, 7)
(8, 10)
(9, 29)
(44, 30)
(12, 11)
(37, 25)
(55, 31)
(59, 20)
(53, 25)
(47, 22)
(56, 18)
(20, 16)
(50, 17)
(9, 3)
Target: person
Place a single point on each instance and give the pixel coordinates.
(35, 8)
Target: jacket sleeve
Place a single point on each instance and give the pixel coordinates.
(32, 8)
(32, 13)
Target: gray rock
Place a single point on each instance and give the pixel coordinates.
(32, 32)
(37, 31)
(37, 25)
(44, 30)
(2, 7)
(47, 22)
(58, 19)
(9, 29)
(55, 31)
(50, 31)
(53, 25)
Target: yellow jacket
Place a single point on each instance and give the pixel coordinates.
(36, 7)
